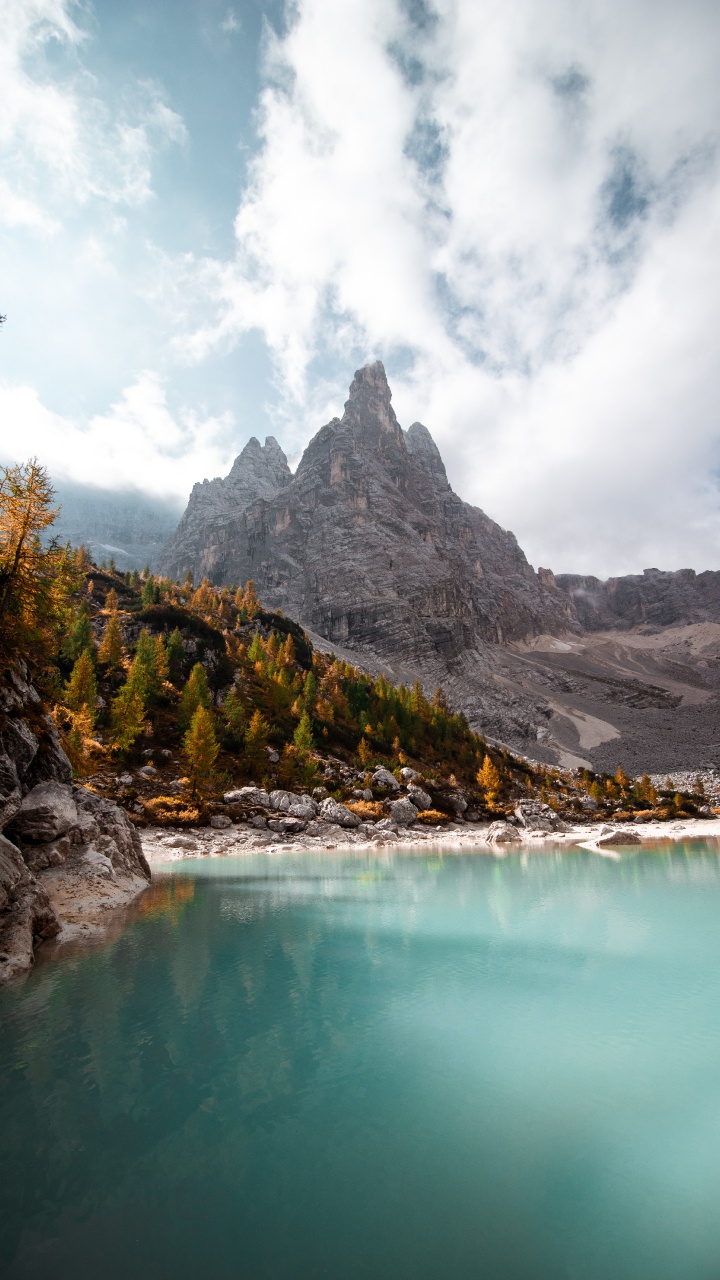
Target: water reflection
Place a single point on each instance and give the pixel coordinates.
(359, 1065)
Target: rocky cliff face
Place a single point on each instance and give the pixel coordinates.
(367, 544)
(66, 855)
(652, 598)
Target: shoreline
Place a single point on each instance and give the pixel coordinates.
(163, 846)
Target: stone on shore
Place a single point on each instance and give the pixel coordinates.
(403, 812)
(46, 812)
(333, 811)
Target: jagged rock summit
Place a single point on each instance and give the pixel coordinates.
(366, 544)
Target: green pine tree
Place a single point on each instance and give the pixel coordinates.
(81, 688)
(234, 717)
(196, 693)
(80, 637)
(175, 656)
(303, 737)
(127, 719)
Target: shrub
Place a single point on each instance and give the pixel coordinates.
(432, 817)
(368, 810)
(171, 811)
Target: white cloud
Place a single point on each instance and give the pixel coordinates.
(61, 143)
(138, 443)
(522, 199)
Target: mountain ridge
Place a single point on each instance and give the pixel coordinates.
(370, 549)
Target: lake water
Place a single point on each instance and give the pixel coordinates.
(383, 1067)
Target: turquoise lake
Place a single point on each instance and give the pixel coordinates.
(379, 1066)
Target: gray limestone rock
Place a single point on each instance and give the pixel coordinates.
(419, 798)
(333, 811)
(384, 778)
(409, 775)
(304, 807)
(502, 833)
(248, 795)
(46, 812)
(403, 812)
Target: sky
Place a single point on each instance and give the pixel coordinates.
(211, 214)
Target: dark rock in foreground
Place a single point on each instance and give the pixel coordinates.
(67, 856)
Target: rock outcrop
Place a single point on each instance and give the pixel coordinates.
(67, 856)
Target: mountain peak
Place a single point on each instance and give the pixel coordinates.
(368, 411)
(425, 451)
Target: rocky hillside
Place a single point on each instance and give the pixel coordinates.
(66, 855)
(369, 548)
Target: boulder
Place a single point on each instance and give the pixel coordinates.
(409, 775)
(333, 811)
(288, 826)
(303, 807)
(403, 812)
(618, 838)
(48, 811)
(220, 821)
(382, 777)
(419, 798)
(535, 816)
(502, 833)
(248, 795)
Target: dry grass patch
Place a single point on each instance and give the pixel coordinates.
(368, 810)
(433, 817)
(171, 811)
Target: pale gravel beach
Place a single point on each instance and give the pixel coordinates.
(164, 846)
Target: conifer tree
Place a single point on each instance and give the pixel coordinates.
(80, 637)
(149, 668)
(310, 690)
(488, 778)
(256, 739)
(251, 604)
(303, 736)
(111, 600)
(36, 576)
(234, 716)
(175, 656)
(201, 747)
(110, 651)
(78, 740)
(150, 593)
(196, 693)
(256, 652)
(127, 718)
(81, 688)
